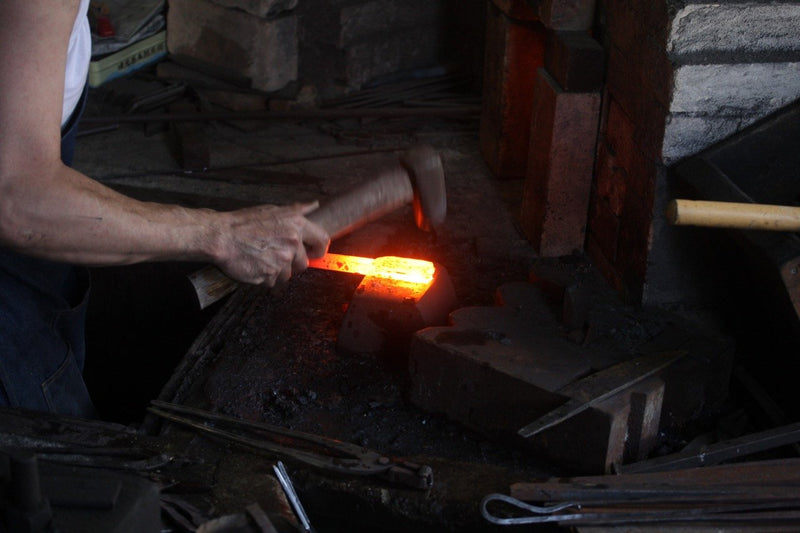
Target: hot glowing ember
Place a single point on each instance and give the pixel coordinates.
(389, 267)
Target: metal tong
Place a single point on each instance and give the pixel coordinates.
(313, 450)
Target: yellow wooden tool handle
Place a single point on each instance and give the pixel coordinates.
(733, 215)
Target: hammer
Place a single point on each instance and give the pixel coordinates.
(417, 178)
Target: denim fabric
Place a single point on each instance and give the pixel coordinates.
(42, 322)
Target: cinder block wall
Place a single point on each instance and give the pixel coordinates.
(334, 46)
(681, 76)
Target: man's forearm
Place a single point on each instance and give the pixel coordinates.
(69, 217)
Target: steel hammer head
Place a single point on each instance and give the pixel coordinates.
(425, 170)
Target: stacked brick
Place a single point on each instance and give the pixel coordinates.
(253, 39)
(542, 80)
(566, 107)
(515, 42)
(335, 46)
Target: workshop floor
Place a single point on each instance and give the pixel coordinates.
(280, 363)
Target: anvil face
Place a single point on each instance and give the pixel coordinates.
(397, 297)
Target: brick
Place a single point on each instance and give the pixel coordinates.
(514, 51)
(259, 8)
(603, 235)
(644, 421)
(633, 172)
(626, 85)
(591, 441)
(575, 60)
(561, 161)
(263, 50)
(634, 244)
(570, 15)
(610, 179)
(628, 423)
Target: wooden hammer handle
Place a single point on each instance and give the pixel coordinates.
(364, 203)
(733, 215)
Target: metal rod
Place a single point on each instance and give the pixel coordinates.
(291, 494)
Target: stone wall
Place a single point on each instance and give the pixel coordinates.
(333, 46)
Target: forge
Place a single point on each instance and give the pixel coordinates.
(553, 340)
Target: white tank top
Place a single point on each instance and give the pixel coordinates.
(79, 54)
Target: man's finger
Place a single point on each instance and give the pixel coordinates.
(306, 208)
(315, 239)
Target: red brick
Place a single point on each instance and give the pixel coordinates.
(561, 160)
(600, 260)
(610, 179)
(631, 91)
(625, 155)
(603, 234)
(514, 51)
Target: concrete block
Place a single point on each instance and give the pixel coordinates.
(569, 15)
(514, 51)
(712, 32)
(686, 135)
(731, 90)
(575, 60)
(263, 50)
(259, 8)
(561, 160)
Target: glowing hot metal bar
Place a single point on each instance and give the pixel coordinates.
(388, 267)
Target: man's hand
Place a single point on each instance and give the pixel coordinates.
(268, 244)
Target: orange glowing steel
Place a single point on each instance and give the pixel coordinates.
(389, 267)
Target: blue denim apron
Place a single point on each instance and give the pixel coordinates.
(42, 324)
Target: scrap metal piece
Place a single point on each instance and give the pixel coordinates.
(291, 495)
(601, 386)
(535, 510)
(313, 450)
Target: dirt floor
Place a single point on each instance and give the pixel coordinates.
(276, 360)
